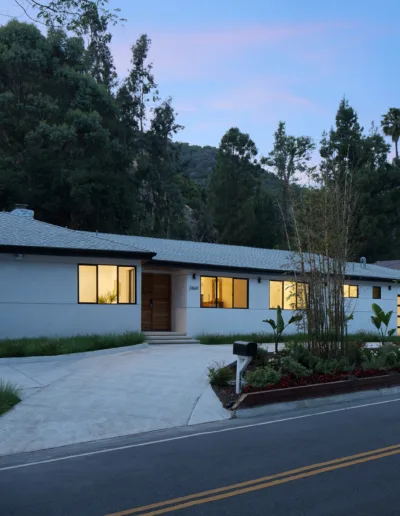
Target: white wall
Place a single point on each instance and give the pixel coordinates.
(219, 320)
(39, 297)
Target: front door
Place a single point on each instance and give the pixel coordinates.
(156, 302)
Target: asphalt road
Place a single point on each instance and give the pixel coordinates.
(341, 462)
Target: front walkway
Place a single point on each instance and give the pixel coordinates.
(79, 398)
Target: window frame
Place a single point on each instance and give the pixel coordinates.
(233, 292)
(373, 292)
(350, 285)
(283, 293)
(97, 282)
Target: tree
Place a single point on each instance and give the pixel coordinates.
(232, 188)
(290, 156)
(391, 127)
(72, 15)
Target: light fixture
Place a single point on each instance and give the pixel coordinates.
(259, 280)
(19, 256)
(390, 287)
(194, 275)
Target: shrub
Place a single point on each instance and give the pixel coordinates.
(301, 354)
(375, 363)
(262, 377)
(390, 355)
(262, 357)
(9, 396)
(220, 374)
(290, 366)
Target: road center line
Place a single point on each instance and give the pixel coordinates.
(257, 487)
(189, 436)
(231, 487)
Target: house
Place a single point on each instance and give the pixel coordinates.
(57, 281)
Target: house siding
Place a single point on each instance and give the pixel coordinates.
(39, 297)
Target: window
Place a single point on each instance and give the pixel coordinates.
(350, 290)
(222, 292)
(289, 295)
(376, 292)
(106, 284)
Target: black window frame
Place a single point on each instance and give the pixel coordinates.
(283, 291)
(374, 289)
(97, 282)
(233, 278)
(350, 285)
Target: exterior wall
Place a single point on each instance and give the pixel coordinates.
(220, 320)
(39, 297)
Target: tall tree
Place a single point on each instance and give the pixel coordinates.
(289, 157)
(391, 127)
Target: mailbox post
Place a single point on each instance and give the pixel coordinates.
(244, 352)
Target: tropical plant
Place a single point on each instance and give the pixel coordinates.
(108, 298)
(279, 326)
(391, 127)
(381, 321)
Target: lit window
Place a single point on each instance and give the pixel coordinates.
(289, 295)
(106, 284)
(222, 292)
(376, 292)
(350, 291)
(275, 294)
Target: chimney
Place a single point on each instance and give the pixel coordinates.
(22, 211)
(363, 262)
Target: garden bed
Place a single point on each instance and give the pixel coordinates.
(329, 385)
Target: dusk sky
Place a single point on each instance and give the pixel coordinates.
(252, 63)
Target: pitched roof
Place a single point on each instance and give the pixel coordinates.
(19, 231)
(232, 256)
(392, 264)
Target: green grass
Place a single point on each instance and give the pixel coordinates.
(220, 338)
(9, 396)
(43, 346)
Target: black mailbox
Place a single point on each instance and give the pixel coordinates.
(245, 349)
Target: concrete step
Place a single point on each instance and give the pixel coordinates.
(164, 333)
(166, 342)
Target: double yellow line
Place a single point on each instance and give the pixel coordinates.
(257, 484)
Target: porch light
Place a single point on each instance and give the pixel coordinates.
(259, 280)
(194, 275)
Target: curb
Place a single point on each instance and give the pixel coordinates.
(71, 356)
(313, 403)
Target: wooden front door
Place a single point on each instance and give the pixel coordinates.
(156, 302)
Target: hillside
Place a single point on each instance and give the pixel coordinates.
(199, 162)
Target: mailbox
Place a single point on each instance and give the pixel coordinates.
(245, 349)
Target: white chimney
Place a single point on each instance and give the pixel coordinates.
(22, 211)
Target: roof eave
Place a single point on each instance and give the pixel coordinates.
(63, 251)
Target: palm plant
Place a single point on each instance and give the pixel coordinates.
(381, 321)
(279, 326)
(391, 127)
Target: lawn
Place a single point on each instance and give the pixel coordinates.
(44, 346)
(220, 338)
(9, 396)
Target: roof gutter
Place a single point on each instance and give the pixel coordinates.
(251, 270)
(61, 251)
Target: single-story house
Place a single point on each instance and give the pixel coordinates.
(59, 282)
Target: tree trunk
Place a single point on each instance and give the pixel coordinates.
(396, 147)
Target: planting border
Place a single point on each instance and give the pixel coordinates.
(254, 399)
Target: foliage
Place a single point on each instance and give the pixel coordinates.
(290, 366)
(108, 298)
(219, 374)
(381, 321)
(44, 346)
(391, 127)
(262, 376)
(333, 365)
(10, 395)
(279, 326)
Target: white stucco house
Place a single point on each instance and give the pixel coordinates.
(59, 282)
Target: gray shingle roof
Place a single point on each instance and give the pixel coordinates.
(392, 264)
(230, 256)
(22, 231)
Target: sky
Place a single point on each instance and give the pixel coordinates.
(251, 63)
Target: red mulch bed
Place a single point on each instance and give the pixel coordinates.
(228, 396)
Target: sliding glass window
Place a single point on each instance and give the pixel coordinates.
(224, 292)
(106, 284)
(289, 295)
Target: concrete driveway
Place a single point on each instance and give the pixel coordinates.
(89, 396)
